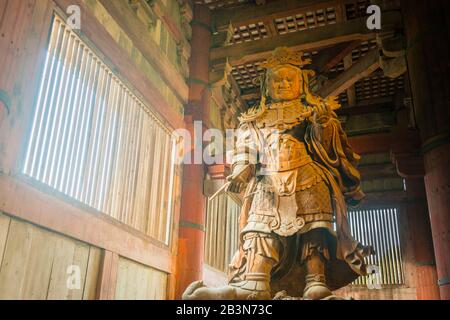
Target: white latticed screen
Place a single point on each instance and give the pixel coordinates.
(93, 140)
(379, 228)
(222, 232)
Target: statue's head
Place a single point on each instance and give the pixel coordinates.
(284, 82)
(285, 79)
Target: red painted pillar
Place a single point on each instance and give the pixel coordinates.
(419, 226)
(426, 29)
(437, 181)
(189, 263)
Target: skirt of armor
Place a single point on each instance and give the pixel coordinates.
(312, 196)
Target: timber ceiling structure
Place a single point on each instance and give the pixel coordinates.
(348, 57)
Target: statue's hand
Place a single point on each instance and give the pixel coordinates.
(239, 178)
(322, 113)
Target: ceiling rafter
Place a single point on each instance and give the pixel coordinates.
(363, 68)
(277, 9)
(306, 40)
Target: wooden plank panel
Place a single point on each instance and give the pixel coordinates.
(122, 276)
(36, 262)
(162, 287)
(64, 252)
(143, 281)
(80, 259)
(13, 270)
(39, 265)
(138, 282)
(92, 274)
(4, 229)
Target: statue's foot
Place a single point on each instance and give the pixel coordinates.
(316, 289)
(198, 291)
(282, 295)
(333, 297)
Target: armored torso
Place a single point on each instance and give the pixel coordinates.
(291, 194)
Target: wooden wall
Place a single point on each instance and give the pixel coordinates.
(37, 264)
(34, 263)
(138, 282)
(41, 231)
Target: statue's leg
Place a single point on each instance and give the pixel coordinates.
(249, 281)
(261, 256)
(314, 256)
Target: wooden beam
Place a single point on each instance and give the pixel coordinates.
(106, 284)
(384, 142)
(373, 171)
(95, 32)
(60, 214)
(134, 28)
(277, 9)
(301, 41)
(351, 92)
(383, 198)
(375, 106)
(363, 68)
(329, 58)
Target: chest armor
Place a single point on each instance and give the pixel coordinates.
(283, 150)
(282, 128)
(287, 169)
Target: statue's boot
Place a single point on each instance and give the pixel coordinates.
(255, 287)
(244, 290)
(316, 288)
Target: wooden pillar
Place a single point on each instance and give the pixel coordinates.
(419, 226)
(437, 181)
(426, 28)
(190, 254)
(410, 166)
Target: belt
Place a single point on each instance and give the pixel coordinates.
(288, 165)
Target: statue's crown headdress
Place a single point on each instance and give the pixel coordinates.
(284, 55)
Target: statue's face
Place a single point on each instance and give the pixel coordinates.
(284, 83)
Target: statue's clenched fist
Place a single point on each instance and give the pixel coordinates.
(238, 179)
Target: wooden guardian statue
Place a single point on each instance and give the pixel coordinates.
(297, 173)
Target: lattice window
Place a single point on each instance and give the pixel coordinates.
(245, 74)
(217, 4)
(343, 98)
(356, 9)
(306, 20)
(378, 86)
(94, 141)
(379, 228)
(254, 31)
(336, 70)
(363, 49)
(222, 232)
